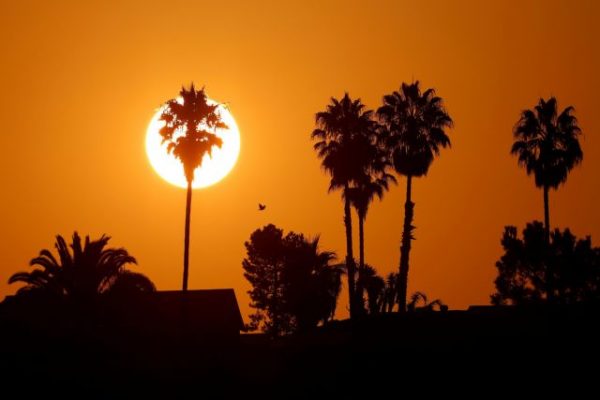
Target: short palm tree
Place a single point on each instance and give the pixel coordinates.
(312, 281)
(331, 279)
(547, 145)
(83, 273)
(416, 126)
(390, 293)
(341, 143)
(328, 277)
(189, 131)
(420, 297)
(375, 287)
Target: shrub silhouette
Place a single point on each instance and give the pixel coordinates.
(294, 284)
(529, 272)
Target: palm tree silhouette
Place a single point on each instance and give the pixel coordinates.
(312, 281)
(82, 273)
(415, 125)
(547, 145)
(420, 297)
(373, 184)
(390, 292)
(341, 141)
(189, 132)
(374, 286)
(331, 279)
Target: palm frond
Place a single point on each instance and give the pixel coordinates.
(190, 128)
(415, 125)
(546, 142)
(87, 270)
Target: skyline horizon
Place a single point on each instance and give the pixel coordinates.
(76, 161)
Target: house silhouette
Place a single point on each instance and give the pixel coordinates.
(205, 313)
(201, 316)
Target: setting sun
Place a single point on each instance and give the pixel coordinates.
(214, 168)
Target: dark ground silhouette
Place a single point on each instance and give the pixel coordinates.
(485, 351)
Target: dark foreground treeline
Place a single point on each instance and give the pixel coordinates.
(497, 349)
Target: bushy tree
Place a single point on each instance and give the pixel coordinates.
(263, 268)
(531, 271)
(294, 284)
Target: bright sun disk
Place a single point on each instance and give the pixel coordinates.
(213, 168)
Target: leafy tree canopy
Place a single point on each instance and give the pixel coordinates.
(294, 284)
(529, 269)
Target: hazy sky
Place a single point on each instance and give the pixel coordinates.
(80, 81)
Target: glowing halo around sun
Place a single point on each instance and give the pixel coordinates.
(213, 168)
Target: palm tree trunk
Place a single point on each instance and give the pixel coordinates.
(405, 246)
(549, 272)
(361, 263)
(547, 213)
(186, 248)
(349, 255)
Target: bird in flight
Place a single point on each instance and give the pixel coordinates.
(261, 207)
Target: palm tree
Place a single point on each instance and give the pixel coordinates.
(547, 145)
(331, 279)
(189, 131)
(416, 126)
(375, 288)
(83, 273)
(312, 281)
(341, 144)
(420, 297)
(390, 293)
(373, 184)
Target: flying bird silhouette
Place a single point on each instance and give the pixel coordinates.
(261, 207)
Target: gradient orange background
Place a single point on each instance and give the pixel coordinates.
(81, 80)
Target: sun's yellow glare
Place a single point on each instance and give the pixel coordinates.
(213, 168)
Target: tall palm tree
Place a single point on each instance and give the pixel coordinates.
(374, 183)
(83, 273)
(189, 131)
(416, 125)
(341, 141)
(547, 145)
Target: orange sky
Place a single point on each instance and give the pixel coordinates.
(81, 80)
